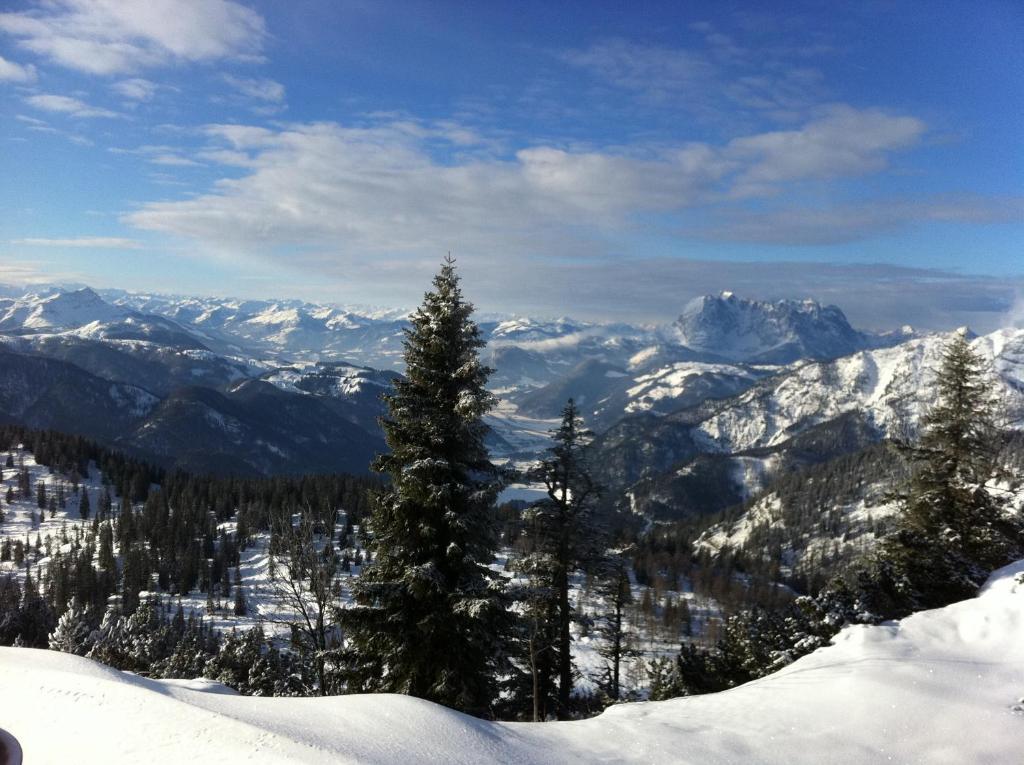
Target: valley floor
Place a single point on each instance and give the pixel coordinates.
(942, 686)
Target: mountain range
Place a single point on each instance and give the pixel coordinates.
(703, 458)
(696, 413)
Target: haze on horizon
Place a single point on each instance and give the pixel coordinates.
(580, 159)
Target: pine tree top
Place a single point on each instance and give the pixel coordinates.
(961, 428)
(434, 413)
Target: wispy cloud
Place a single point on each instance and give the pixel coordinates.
(716, 77)
(258, 88)
(112, 37)
(658, 72)
(13, 72)
(20, 273)
(67, 105)
(814, 225)
(42, 126)
(843, 142)
(173, 160)
(159, 154)
(94, 242)
(136, 89)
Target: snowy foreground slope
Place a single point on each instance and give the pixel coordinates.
(942, 686)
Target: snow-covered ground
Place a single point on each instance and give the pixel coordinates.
(22, 519)
(942, 686)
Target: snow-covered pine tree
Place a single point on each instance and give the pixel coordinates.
(428, 610)
(10, 604)
(534, 691)
(238, 655)
(953, 529)
(73, 629)
(106, 639)
(564, 536)
(190, 655)
(137, 643)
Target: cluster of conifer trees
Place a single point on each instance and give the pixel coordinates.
(149, 536)
(431, 617)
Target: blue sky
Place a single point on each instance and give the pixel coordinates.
(605, 160)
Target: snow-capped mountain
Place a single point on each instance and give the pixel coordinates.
(249, 428)
(287, 330)
(360, 387)
(177, 393)
(82, 314)
(521, 330)
(732, 328)
(719, 452)
(889, 386)
(805, 526)
(58, 311)
(718, 347)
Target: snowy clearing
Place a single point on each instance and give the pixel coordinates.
(942, 686)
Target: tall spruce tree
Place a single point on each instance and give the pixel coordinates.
(428, 610)
(563, 536)
(953, 529)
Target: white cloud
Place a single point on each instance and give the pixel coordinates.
(98, 242)
(12, 72)
(841, 223)
(117, 37)
(158, 154)
(386, 188)
(136, 89)
(844, 142)
(68, 105)
(260, 89)
(381, 189)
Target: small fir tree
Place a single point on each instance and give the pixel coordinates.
(73, 630)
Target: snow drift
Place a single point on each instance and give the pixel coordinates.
(942, 686)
